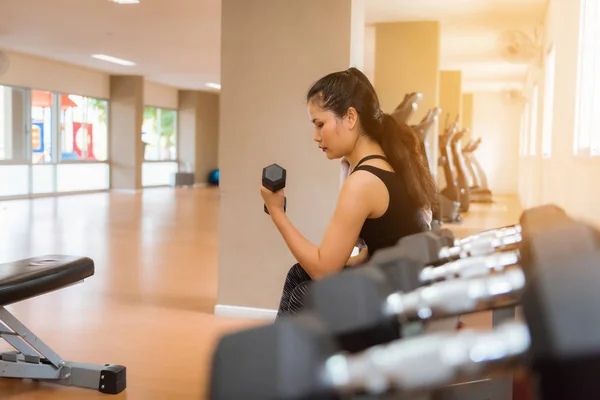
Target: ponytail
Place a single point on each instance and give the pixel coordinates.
(402, 148)
(341, 90)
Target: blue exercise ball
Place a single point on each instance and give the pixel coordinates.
(213, 177)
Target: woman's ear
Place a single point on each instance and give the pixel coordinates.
(351, 117)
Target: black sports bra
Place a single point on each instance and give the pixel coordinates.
(402, 217)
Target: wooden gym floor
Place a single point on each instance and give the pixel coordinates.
(149, 306)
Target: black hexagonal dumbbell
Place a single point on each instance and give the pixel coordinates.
(273, 178)
(276, 361)
(296, 358)
(362, 308)
(559, 342)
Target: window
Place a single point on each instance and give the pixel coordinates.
(13, 117)
(533, 121)
(524, 136)
(159, 134)
(41, 131)
(548, 103)
(587, 117)
(84, 128)
(41, 127)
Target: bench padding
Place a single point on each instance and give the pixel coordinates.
(23, 279)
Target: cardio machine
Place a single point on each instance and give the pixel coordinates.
(423, 128)
(448, 210)
(478, 187)
(461, 169)
(405, 110)
(451, 192)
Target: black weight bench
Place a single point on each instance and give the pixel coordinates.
(33, 359)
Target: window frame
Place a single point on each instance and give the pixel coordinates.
(55, 164)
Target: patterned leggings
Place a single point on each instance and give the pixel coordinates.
(295, 290)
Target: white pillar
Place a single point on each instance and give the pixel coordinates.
(272, 51)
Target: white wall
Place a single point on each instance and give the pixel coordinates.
(562, 179)
(158, 95)
(369, 53)
(530, 166)
(43, 74)
(497, 120)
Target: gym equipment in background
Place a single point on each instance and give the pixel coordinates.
(423, 128)
(405, 110)
(461, 170)
(450, 195)
(273, 178)
(448, 211)
(472, 178)
(33, 359)
(559, 342)
(184, 176)
(213, 177)
(449, 206)
(479, 191)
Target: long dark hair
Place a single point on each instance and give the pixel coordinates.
(339, 91)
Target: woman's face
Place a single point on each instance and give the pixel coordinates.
(335, 137)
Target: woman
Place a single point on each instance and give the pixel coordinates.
(381, 200)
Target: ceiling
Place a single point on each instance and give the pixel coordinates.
(469, 32)
(177, 42)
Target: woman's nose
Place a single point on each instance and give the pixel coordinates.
(316, 136)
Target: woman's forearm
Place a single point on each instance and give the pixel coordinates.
(306, 253)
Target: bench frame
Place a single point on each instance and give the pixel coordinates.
(34, 359)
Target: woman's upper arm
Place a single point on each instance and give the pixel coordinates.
(352, 209)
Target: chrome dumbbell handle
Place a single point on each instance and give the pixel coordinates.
(427, 362)
(481, 247)
(495, 233)
(469, 267)
(455, 297)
